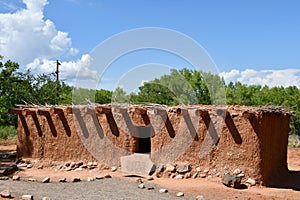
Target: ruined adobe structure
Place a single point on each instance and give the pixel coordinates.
(251, 139)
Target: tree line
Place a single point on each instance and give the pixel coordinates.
(183, 86)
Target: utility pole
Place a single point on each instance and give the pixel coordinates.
(57, 80)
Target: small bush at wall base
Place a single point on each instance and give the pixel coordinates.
(7, 132)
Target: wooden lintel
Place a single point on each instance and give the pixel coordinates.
(15, 111)
(28, 112)
(43, 112)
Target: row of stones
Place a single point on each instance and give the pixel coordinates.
(184, 171)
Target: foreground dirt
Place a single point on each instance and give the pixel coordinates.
(121, 187)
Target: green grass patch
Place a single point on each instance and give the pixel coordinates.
(7, 132)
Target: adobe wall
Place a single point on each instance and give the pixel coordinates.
(251, 139)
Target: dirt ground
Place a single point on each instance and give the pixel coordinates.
(210, 188)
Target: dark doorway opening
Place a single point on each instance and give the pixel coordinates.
(144, 139)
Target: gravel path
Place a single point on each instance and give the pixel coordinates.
(113, 188)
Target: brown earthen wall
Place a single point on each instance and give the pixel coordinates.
(251, 139)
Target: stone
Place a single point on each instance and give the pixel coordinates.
(151, 187)
(63, 180)
(46, 198)
(113, 169)
(5, 194)
(180, 194)
(225, 168)
(78, 169)
(200, 197)
(95, 164)
(80, 163)
(184, 168)
(99, 177)
(187, 175)
(150, 178)
(89, 179)
(32, 179)
(29, 166)
(170, 168)
(46, 180)
(241, 175)
(27, 197)
(22, 165)
(68, 169)
(179, 176)
(233, 115)
(107, 176)
(59, 167)
(73, 165)
(26, 161)
(91, 167)
(161, 168)
(232, 180)
(40, 167)
(172, 175)
(218, 174)
(159, 174)
(139, 180)
(4, 178)
(198, 169)
(137, 164)
(76, 179)
(251, 181)
(202, 175)
(163, 191)
(236, 171)
(141, 186)
(10, 170)
(209, 176)
(84, 166)
(215, 171)
(206, 171)
(16, 178)
(195, 175)
(67, 164)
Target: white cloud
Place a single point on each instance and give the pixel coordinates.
(26, 36)
(271, 78)
(35, 43)
(71, 71)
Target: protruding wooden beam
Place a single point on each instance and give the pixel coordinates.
(43, 112)
(103, 109)
(55, 110)
(248, 114)
(27, 112)
(15, 111)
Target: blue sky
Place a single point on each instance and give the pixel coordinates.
(255, 42)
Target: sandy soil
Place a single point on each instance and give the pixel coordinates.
(210, 188)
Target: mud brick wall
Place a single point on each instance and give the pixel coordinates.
(251, 139)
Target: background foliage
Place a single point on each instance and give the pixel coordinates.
(179, 87)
